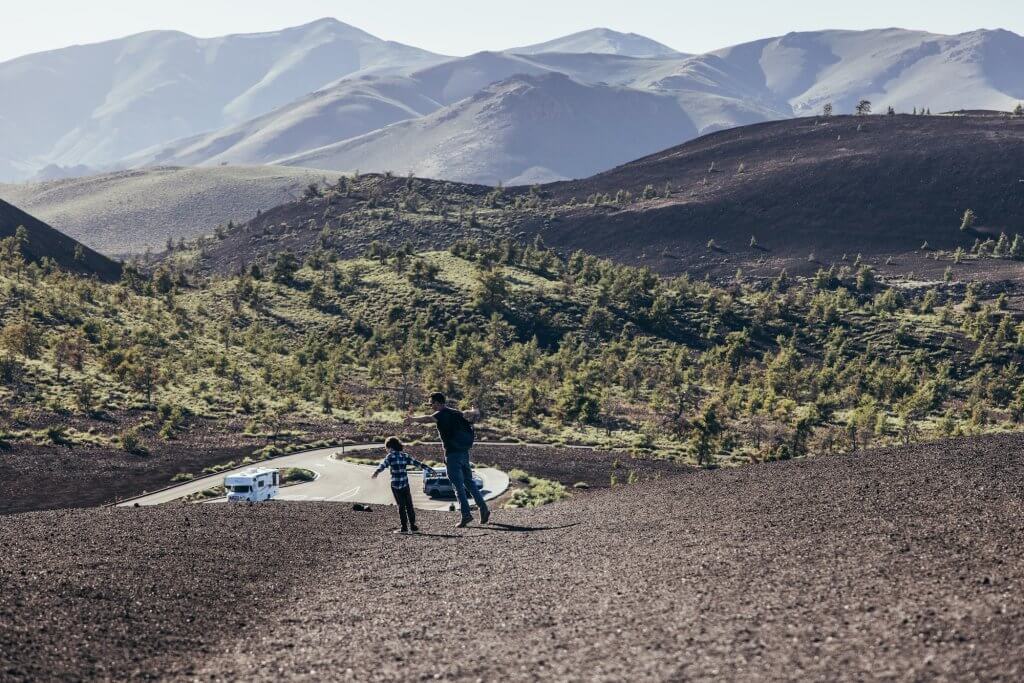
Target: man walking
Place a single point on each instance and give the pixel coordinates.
(457, 435)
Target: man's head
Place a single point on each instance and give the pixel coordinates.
(438, 400)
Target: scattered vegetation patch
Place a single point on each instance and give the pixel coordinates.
(296, 475)
(532, 491)
(206, 494)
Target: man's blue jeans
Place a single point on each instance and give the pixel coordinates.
(461, 476)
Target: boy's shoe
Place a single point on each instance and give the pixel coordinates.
(485, 515)
(464, 523)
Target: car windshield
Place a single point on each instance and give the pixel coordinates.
(239, 488)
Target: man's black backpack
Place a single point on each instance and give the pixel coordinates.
(462, 439)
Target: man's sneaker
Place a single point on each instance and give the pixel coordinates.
(485, 515)
(400, 531)
(464, 523)
(415, 528)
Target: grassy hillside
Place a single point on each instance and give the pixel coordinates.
(577, 350)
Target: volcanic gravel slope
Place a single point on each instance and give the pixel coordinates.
(903, 563)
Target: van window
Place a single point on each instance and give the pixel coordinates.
(239, 488)
(260, 484)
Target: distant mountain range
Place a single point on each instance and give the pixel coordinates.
(330, 96)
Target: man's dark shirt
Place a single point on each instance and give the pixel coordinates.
(451, 427)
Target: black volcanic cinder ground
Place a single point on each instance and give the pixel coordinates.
(828, 186)
(903, 563)
(42, 241)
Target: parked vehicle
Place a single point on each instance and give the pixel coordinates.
(438, 485)
(252, 486)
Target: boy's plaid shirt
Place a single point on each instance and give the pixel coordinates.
(398, 461)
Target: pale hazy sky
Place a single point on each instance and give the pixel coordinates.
(460, 27)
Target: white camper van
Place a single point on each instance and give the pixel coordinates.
(252, 486)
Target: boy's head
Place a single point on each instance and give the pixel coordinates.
(393, 444)
(437, 400)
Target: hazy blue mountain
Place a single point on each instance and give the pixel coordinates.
(96, 104)
(526, 129)
(600, 41)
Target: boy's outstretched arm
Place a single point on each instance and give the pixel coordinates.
(382, 466)
(471, 415)
(422, 465)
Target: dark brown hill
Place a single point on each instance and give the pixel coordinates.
(45, 242)
(876, 185)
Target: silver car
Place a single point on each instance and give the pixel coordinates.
(436, 484)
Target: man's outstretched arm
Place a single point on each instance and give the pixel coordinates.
(419, 419)
(471, 415)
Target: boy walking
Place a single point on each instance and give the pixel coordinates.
(398, 461)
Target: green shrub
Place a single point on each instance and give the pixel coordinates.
(295, 475)
(537, 492)
(518, 475)
(131, 442)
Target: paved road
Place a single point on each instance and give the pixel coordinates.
(337, 481)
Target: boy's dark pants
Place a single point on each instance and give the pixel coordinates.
(403, 497)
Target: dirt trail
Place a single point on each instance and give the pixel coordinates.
(903, 563)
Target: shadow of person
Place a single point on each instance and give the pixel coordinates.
(498, 526)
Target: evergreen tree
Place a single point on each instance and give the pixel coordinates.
(1002, 247)
(1017, 248)
(285, 268)
(967, 222)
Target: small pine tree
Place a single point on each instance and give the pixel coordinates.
(1018, 110)
(1002, 247)
(863, 108)
(1017, 248)
(826, 111)
(968, 220)
(865, 279)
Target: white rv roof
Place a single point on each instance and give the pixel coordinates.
(251, 474)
